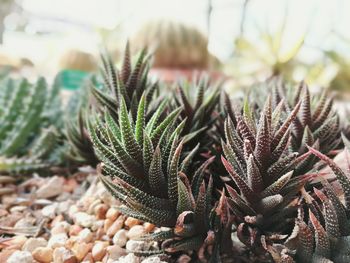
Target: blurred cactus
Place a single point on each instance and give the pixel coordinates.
(28, 116)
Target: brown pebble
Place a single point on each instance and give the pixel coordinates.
(99, 250)
(80, 250)
(64, 255)
(42, 254)
(5, 254)
(130, 222)
(136, 232)
(88, 258)
(112, 213)
(101, 210)
(17, 242)
(100, 233)
(117, 224)
(74, 230)
(70, 185)
(107, 224)
(56, 220)
(69, 243)
(148, 227)
(3, 212)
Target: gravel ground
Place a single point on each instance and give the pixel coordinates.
(68, 220)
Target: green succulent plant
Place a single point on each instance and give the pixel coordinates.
(129, 83)
(201, 112)
(142, 167)
(261, 166)
(80, 150)
(29, 115)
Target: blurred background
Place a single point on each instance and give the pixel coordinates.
(242, 41)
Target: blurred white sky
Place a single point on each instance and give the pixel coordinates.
(80, 18)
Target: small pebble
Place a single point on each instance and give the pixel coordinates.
(57, 219)
(117, 225)
(107, 224)
(112, 213)
(50, 210)
(115, 252)
(148, 227)
(84, 219)
(53, 187)
(5, 254)
(100, 211)
(63, 207)
(60, 227)
(72, 211)
(58, 240)
(85, 235)
(135, 245)
(130, 222)
(18, 208)
(130, 258)
(63, 255)
(98, 224)
(24, 223)
(43, 254)
(136, 232)
(99, 250)
(20, 257)
(120, 238)
(80, 250)
(74, 230)
(88, 258)
(153, 259)
(32, 243)
(93, 206)
(17, 242)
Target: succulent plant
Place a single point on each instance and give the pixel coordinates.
(28, 135)
(129, 83)
(80, 149)
(324, 236)
(141, 166)
(199, 101)
(261, 166)
(316, 125)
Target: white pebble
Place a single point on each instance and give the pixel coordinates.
(130, 258)
(51, 188)
(20, 257)
(50, 210)
(153, 259)
(84, 219)
(120, 238)
(58, 240)
(85, 235)
(63, 255)
(136, 232)
(134, 245)
(115, 252)
(32, 243)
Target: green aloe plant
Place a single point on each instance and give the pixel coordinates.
(143, 168)
(129, 83)
(29, 116)
(199, 101)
